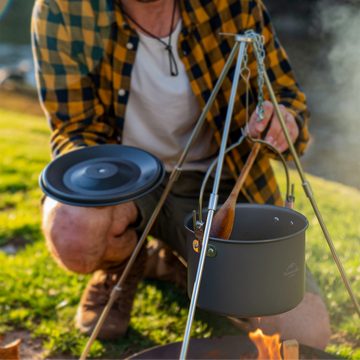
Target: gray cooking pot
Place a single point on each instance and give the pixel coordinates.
(260, 270)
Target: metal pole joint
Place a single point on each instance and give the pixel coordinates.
(307, 189)
(213, 201)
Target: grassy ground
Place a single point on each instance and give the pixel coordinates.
(37, 296)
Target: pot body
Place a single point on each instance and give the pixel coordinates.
(260, 270)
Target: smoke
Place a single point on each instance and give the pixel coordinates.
(340, 23)
(330, 61)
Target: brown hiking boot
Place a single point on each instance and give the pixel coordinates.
(97, 293)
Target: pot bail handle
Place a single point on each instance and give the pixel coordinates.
(289, 198)
(290, 187)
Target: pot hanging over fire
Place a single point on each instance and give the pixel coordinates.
(260, 270)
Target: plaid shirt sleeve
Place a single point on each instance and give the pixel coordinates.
(281, 75)
(66, 90)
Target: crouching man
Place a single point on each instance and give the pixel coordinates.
(138, 72)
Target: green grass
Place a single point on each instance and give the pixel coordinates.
(339, 206)
(38, 296)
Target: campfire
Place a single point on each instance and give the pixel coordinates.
(232, 347)
(268, 346)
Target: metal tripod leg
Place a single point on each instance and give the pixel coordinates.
(309, 194)
(214, 195)
(116, 292)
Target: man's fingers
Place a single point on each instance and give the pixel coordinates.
(275, 128)
(276, 136)
(257, 127)
(123, 215)
(119, 248)
(293, 131)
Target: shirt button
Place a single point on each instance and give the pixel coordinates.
(129, 45)
(121, 92)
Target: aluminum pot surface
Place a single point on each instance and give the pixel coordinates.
(260, 270)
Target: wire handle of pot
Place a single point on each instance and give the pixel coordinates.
(289, 198)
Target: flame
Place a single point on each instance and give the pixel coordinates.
(268, 346)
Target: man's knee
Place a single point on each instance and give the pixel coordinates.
(308, 323)
(75, 236)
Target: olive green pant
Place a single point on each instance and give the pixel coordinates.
(182, 200)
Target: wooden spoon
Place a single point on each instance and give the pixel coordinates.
(223, 221)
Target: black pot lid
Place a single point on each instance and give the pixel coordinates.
(101, 175)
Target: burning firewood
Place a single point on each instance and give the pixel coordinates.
(291, 350)
(10, 351)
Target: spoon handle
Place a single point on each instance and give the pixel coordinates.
(245, 171)
(224, 218)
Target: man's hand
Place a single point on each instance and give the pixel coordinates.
(275, 136)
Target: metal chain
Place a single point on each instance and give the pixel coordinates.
(259, 50)
(245, 75)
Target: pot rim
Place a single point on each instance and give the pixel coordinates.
(257, 241)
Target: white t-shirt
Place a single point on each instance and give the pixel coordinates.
(162, 109)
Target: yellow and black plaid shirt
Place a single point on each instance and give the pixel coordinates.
(84, 52)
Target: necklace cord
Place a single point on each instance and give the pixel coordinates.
(174, 70)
